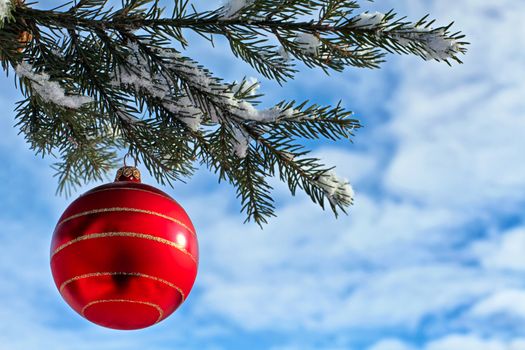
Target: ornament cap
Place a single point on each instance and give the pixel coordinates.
(128, 173)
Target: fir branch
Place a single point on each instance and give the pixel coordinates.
(99, 81)
(342, 34)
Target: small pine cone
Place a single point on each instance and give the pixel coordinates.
(24, 38)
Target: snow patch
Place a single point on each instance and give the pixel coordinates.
(6, 7)
(439, 47)
(338, 190)
(137, 75)
(233, 7)
(241, 143)
(157, 85)
(308, 43)
(222, 94)
(191, 111)
(285, 55)
(248, 112)
(434, 43)
(186, 111)
(50, 91)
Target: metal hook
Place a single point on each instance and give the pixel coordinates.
(129, 155)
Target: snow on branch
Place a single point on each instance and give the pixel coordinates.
(430, 43)
(6, 6)
(48, 90)
(285, 55)
(241, 143)
(224, 95)
(367, 19)
(138, 76)
(186, 111)
(308, 43)
(337, 190)
(434, 43)
(233, 8)
(220, 99)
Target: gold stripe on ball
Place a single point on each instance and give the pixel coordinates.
(157, 307)
(130, 189)
(133, 210)
(124, 234)
(132, 274)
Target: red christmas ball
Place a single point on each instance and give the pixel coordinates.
(124, 255)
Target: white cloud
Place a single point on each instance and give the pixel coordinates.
(356, 166)
(403, 297)
(367, 271)
(474, 342)
(455, 342)
(509, 302)
(503, 251)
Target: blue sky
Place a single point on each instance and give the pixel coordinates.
(431, 256)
